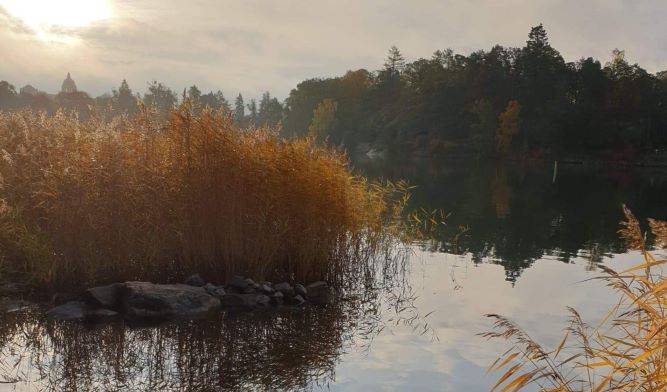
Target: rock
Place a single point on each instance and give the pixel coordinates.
(195, 280)
(265, 288)
(238, 283)
(13, 305)
(74, 310)
(216, 291)
(103, 296)
(300, 290)
(298, 300)
(249, 290)
(244, 301)
(285, 288)
(63, 298)
(148, 301)
(102, 315)
(251, 283)
(319, 293)
(277, 298)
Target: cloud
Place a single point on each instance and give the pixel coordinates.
(258, 45)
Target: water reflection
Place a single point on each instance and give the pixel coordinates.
(416, 336)
(294, 349)
(520, 213)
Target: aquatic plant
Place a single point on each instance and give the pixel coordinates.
(626, 352)
(111, 199)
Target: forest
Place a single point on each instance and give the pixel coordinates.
(506, 102)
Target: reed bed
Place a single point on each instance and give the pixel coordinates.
(626, 352)
(103, 200)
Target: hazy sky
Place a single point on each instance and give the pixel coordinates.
(250, 46)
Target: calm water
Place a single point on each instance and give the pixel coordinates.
(531, 239)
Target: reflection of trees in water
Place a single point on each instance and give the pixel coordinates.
(517, 214)
(289, 350)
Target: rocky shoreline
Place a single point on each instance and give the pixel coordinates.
(195, 298)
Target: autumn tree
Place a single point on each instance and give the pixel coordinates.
(508, 126)
(324, 119)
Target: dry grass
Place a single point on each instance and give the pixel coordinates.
(627, 352)
(135, 198)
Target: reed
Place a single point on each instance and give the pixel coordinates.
(102, 200)
(626, 352)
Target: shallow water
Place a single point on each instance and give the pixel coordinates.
(532, 240)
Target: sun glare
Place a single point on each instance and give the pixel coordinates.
(45, 17)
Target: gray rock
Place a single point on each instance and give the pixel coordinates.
(148, 301)
(249, 290)
(216, 291)
(285, 288)
(244, 301)
(251, 283)
(319, 293)
(277, 298)
(195, 280)
(265, 288)
(298, 300)
(238, 283)
(103, 296)
(74, 310)
(300, 290)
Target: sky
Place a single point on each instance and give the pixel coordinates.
(250, 46)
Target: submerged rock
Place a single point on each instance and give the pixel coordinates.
(319, 293)
(104, 296)
(298, 300)
(102, 315)
(143, 300)
(74, 310)
(244, 301)
(195, 280)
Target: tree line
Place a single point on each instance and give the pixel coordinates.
(506, 101)
(160, 97)
(524, 101)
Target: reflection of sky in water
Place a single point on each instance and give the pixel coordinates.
(400, 359)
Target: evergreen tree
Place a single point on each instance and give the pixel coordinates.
(239, 111)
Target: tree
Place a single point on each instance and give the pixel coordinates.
(324, 119)
(8, 96)
(484, 124)
(395, 62)
(160, 97)
(215, 101)
(253, 114)
(508, 126)
(239, 111)
(123, 101)
(194, 93)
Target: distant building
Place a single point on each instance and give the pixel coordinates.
(28, 90)
(68, 85)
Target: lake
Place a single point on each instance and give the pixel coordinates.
(520, 240)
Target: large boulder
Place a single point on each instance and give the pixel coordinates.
(148, 301)
(318, 293)
(107, 297)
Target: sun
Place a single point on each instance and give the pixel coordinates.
(46, 17)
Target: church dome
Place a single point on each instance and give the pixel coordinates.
(68, 85)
